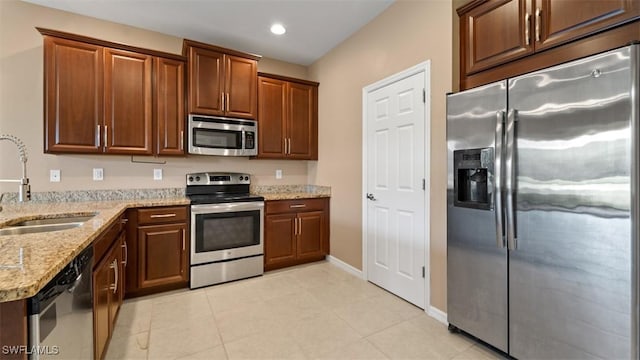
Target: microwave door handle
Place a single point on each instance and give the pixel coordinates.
(244, 140)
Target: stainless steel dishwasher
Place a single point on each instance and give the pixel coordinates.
(61, 314)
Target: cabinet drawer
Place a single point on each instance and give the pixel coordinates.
(282, 206)
(106, 239)
(159, 215)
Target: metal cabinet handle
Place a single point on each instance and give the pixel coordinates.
(509, 174)
(98, 135)
(299, 226)
(184, 236)
(114, 266)
(106, 136)
(297, 206)
(126, 253)
(527, 26)
(295, 226)
(182, 140)
(289, 143)
(538, 21)
(155, 216)
(227, 106)
(222, 101)
(497, 184)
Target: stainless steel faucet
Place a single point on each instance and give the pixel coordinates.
(24, 192)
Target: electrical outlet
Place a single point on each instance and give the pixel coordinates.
(157, 174)
(278, 174)
(54, 175)
(98, 174)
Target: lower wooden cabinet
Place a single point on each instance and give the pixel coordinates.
(13, 329)
(296, 232)
(108, 287)
(158, 249)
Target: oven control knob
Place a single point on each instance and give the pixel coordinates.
(190, 178)
(241, 178)
(197, 178)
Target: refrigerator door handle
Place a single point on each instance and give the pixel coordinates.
(497, 183)
(510, 178)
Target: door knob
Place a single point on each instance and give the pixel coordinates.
(371, 197)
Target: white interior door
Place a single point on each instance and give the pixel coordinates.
(395, 175)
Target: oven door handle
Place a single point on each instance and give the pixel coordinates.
(227, 207)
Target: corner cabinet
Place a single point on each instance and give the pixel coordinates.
(497, 32)
(287, 118)
(102, 97)
(159, 249)
(222, 82)
(296, 232)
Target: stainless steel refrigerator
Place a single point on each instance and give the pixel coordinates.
(543, 210)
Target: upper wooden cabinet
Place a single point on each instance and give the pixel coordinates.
(102, 97)
(222, 82)
(287, 118)
(127, 106)
(496, 32)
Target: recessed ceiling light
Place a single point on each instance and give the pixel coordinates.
(278, 29)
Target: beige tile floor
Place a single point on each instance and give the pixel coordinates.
(317, 311)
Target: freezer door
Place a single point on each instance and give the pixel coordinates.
(476, 260)
(570, 290)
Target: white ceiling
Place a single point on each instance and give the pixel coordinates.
(313, 26)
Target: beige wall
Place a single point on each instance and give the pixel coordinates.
(407, 33)
(21, 104)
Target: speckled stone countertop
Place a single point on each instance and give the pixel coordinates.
(45, 254)
(289, 192)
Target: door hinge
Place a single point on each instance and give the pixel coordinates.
(424, 96)
(423, 185)
(423, 272)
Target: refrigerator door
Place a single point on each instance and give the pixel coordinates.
(570, 274)
(476, 256)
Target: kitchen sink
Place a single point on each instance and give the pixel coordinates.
(46, 224)
(32, 229)
(56, 221)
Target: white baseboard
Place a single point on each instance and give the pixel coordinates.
(344, 266)
(438, 314)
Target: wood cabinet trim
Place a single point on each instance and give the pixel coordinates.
(109, 44)
(470, 5)
(289, 79)
(186, 44)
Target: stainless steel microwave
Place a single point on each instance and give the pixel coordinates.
(211, 135)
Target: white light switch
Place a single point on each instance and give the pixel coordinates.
(98, 174)
(157, 174)
(54, 175)
(278, 174)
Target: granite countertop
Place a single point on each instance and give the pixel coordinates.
(290, 192)
(29, 261)
(46, 254)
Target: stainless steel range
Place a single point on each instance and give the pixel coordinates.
(227, 236)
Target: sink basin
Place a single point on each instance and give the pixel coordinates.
(60, 220)
(46, 224)
(32, 229)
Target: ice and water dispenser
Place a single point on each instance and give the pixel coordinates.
(473, 178)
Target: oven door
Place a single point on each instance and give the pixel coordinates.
(226, 231)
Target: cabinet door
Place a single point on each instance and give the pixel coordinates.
(271, 117)
(73, 96)
(162, 252)
(128, 110)
(302, 124)
(494, 33)
(310, 234)
(103, 277)
(241, 84)
(557, 22)
(169, 114)
(279, 240)
(206, 82)
(117, 281)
